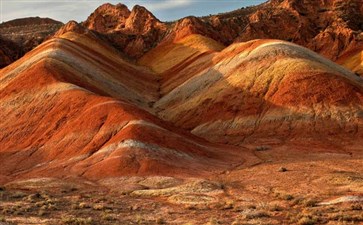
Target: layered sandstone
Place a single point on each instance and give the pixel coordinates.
(189, 105)
(84, 111)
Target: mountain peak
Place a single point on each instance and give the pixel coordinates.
(107, 18)
(71, 26)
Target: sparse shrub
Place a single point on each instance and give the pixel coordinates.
(262, 148)
(256, 215)
(52, 207)
(356, 207)
(8, 211)
(299, 201)
(18, 194)
(34, 198)
(160, 221)
(276, 208)
(108, 217)
(18, 212)
(190, 207)
(212, 221)
(307, 221)
(42, 212)
(251, 207)
(139, 219)
(237, 222)
(75, 206)
(229, 204)
(40, 204)
(310, 203)
(344, 217)
(83, 205)
(98, 207)
(287, 197)
(77, 221)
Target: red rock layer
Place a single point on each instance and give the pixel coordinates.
(71, 110)
(75, 106)
(269, 90)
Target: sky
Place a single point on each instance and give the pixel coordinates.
(79, 10)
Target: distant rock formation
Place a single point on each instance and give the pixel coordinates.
(24, 35)
(332, 28)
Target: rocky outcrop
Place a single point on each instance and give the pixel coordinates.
(330, 28)
(132, 32)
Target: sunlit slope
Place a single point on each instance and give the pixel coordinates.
(171, 54)
(269, 90)
(72, 107)
(353, 61)
(90, 64)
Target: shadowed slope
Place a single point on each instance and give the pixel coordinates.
(265, 89)
(22, 35)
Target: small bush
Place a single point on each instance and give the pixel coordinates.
(356, 207)
(98, 207)
(83, 205)
(77, 221)
(108, 217)
(256, 215)
(262, 148)
(288, 197)
(160, 221)
(275, 208)
(18, 194)
(307, 221)
(42, 212)
(310, 203)
(213, 221)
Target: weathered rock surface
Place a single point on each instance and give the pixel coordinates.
(262, 89)
(81, 110)
(188, 105)
(330, 28)
(133, 32)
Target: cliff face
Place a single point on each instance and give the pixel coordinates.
(330, 28)
(133, 32)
